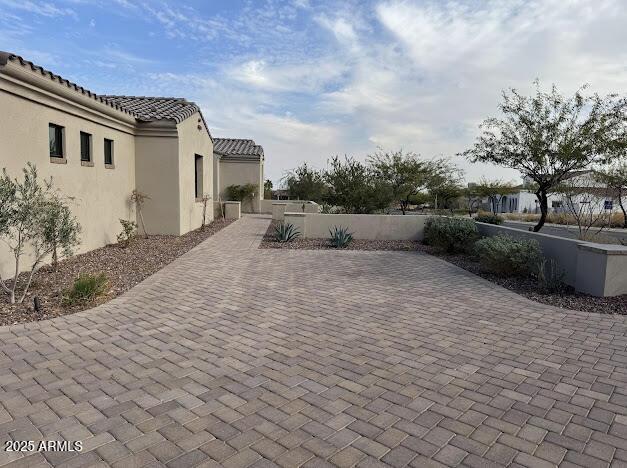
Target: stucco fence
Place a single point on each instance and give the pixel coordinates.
(595, 269)
(362, 226)
(278, 207)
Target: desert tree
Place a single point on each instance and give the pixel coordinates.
(615, 177)
(494, 191)
(34, 223)
(546, 136)
(353, 186)
(406, 174)
(583, 198)
(444, 185)
(139, 199)
(60, 228)
(472, 198)
(305, 183)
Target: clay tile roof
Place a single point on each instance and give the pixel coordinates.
(237, 148)
(155, 108)
(143, 108)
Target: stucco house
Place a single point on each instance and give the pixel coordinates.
(238, 162)
(99, 148)
(583, 189)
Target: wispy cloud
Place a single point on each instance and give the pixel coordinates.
(39, 8)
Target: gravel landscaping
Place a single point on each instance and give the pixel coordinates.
(124, 267)
(269, 242)
(528, 287)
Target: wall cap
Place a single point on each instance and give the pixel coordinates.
(607, 249)
(232, 203)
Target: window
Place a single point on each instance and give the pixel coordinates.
(85, 147)
(55, 139)
(108, 152)
(198, 189)
(556, 204)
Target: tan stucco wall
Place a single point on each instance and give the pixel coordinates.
(266, 206)
(362, 226)
(240, 173)
(101, 194)
(193, 141)
(156, 168)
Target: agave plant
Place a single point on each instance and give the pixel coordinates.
(285, 232)
(340, 237)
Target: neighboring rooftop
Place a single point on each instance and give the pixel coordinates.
(143, 108)
(237, 148)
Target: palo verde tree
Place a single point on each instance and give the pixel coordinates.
(34, 222)
(305, 183)
(405, 174)
(615, 177)
(546, 136)
(494, 191)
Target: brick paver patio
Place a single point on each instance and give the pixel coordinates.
(233, 356)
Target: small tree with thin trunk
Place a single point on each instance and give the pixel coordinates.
(583, 198)
(494, 191)
(616, 179)
(546, 136)
(34, 223)
(60, 229)
(205, 200)
(138, 199)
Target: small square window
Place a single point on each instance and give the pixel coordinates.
(85, 147)
(108, 152)
(55, 140)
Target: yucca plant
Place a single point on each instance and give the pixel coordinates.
(340, 237)
(285, 232)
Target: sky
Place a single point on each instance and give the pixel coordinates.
(310, 79)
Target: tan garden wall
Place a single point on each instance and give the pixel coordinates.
(596, 269)
(265, 206)
(363, 226)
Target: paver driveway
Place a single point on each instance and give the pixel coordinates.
(234, 356)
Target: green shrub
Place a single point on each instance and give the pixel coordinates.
(452, 235)
(489, 218)
(285, 232)
(340, 237)
(129, 231)
(86, 288)
(240, 193)
(508, 256)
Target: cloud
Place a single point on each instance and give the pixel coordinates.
(296, 77)
(38, 8)
(309, 80)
